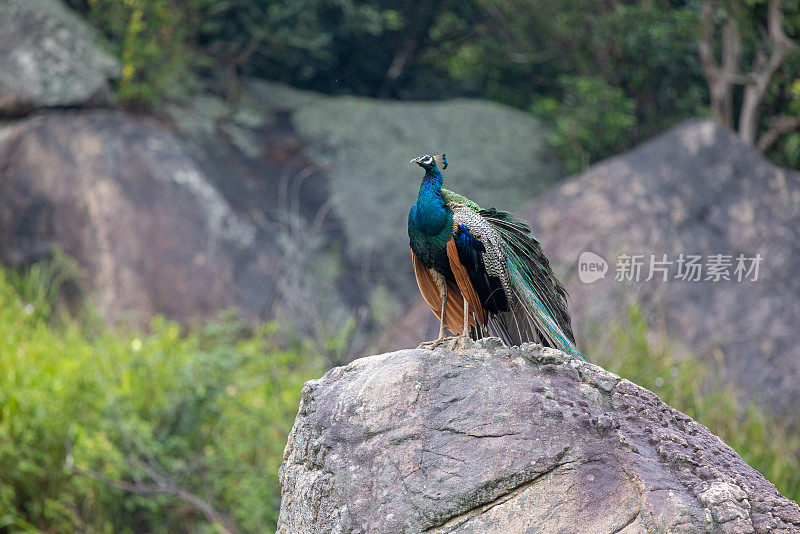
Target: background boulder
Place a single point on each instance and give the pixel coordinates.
(48, 58)
(694, 190)
(122, 197)
(509, 440)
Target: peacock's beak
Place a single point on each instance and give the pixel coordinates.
(416, 160)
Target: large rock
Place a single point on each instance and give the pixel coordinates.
(695, 190)
(509, 440)
(498, 156)
(48, 58)
(122, 196)
(256, 160)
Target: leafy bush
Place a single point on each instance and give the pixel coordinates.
(113, 432)
(157, 41)
(593, 120)
(692, 387)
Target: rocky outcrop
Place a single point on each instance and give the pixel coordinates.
(696, 190)
(308, 176)
(509, 440)
(122, 196)
(48, 58)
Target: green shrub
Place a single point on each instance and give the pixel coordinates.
(592, 120)
(114, 432)
(156, 41)
(692, 387)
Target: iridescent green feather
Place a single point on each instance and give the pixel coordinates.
(450, 196)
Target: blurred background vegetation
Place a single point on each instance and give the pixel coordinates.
(182, 428)
(604, 75)
(110, 431)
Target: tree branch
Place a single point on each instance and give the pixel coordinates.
(706, 42)
(773, 52)
(163, 487)
(720, 76)
(781, 125)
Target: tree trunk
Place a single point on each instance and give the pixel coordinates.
(769, 58)
(721, 77)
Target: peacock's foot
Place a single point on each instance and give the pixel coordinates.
(430, 345)
(452, 342)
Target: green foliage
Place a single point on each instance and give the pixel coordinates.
(157, 41)
(592, 120)
(306, 42)
(604, 75)
(693, 388)
(115, 432)
(40, 285)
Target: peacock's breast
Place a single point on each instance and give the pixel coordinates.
(430, 227)
(431, 249)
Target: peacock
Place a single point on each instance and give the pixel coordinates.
(481, 271)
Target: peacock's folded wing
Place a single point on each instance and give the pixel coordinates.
(455, 198)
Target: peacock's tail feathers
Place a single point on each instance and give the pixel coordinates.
(540, 300)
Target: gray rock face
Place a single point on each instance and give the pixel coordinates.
(695, 190)
(122, 196)
(48, 58)
(509, 440)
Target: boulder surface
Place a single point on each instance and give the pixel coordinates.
(509, 440)
(497, 155)
(48, 58)
(122, 197)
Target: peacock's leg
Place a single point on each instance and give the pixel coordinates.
(441, 283)
(465, 331)
(443, 296)
(463, 340)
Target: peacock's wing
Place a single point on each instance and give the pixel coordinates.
(454, 312)
(491, 264)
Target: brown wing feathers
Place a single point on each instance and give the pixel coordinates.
(464, 283)
(454, 313)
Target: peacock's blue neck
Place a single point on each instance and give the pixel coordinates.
(430, 215)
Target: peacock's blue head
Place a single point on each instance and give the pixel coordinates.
(428, 162)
